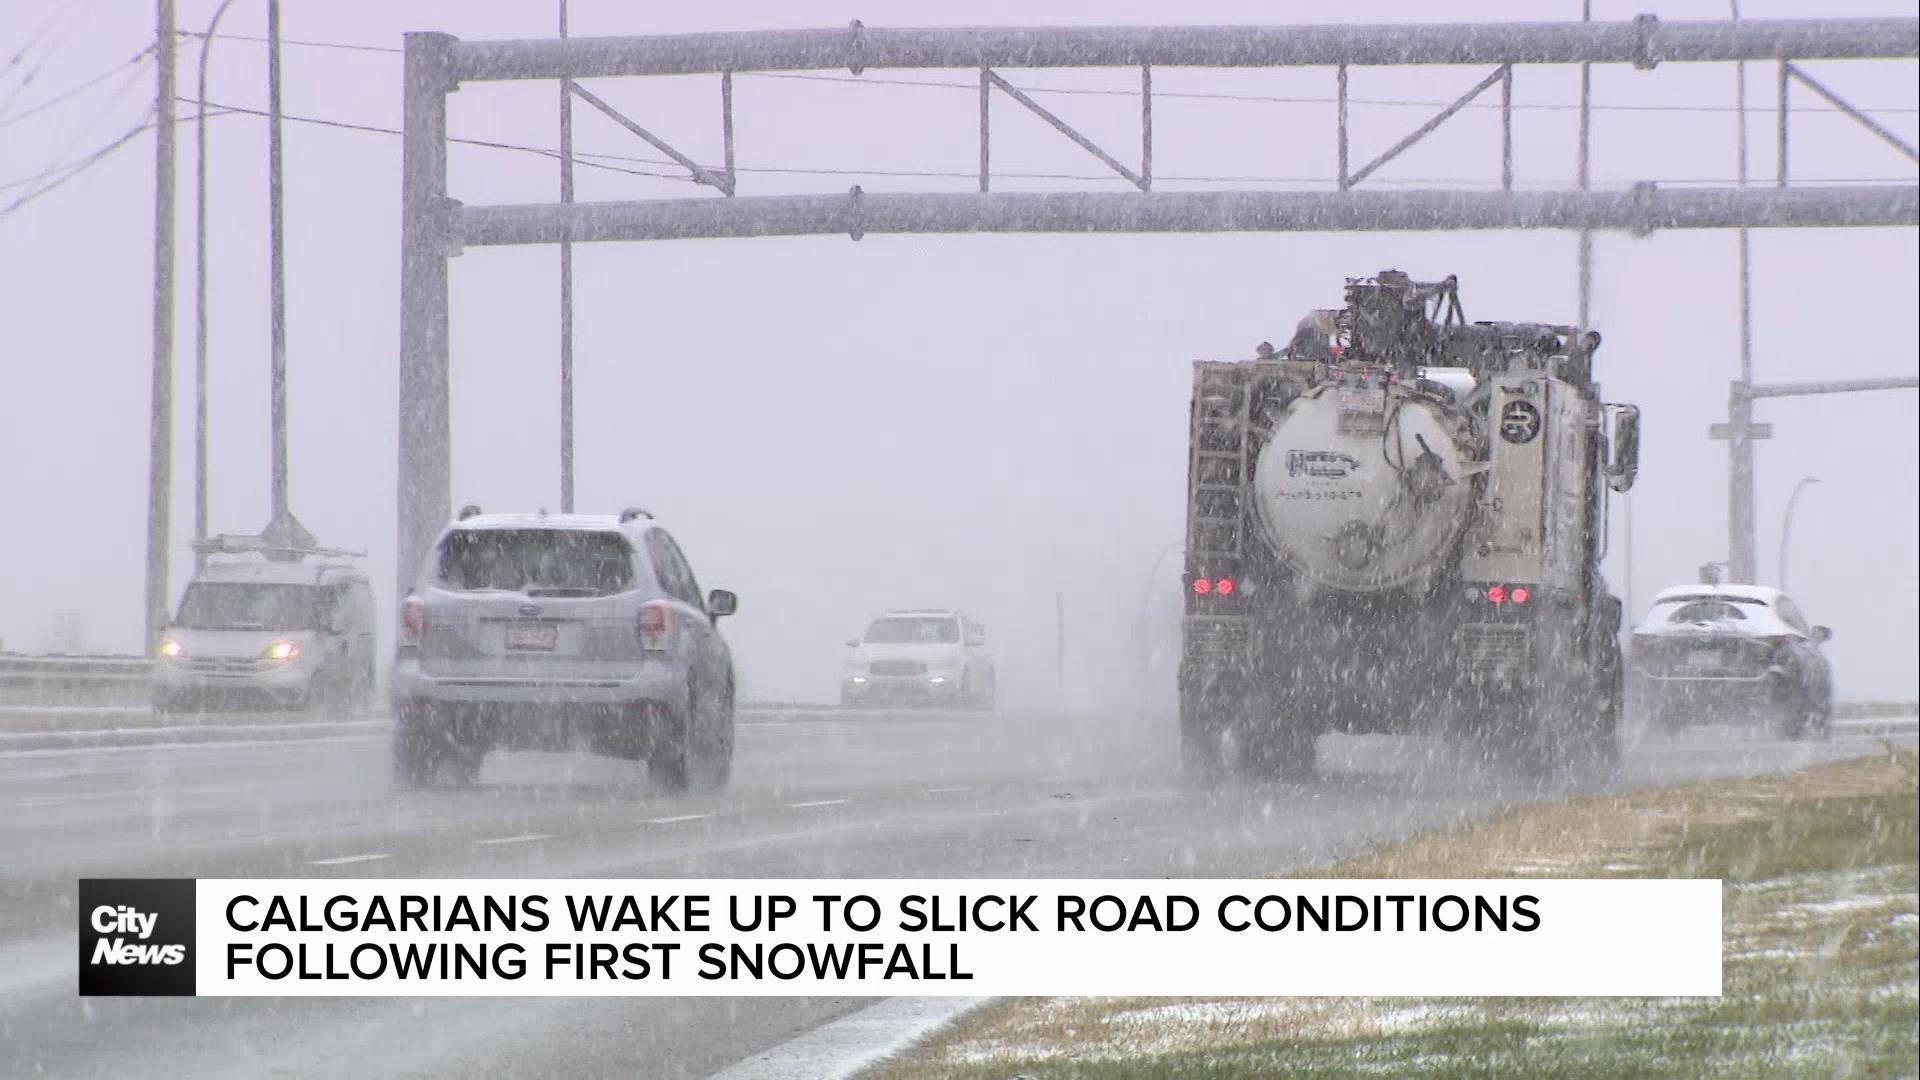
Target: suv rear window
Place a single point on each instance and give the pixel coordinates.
(913, 631)
(537, 562)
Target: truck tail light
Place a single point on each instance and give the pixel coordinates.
(1497, 595)
(1203, 586)
(1522, 594)
(1225, 586)
(413, 621)
(654, 625)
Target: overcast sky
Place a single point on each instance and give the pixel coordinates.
(835, 427)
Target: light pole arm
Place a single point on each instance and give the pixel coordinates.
(1786, 525)
(1837, 386)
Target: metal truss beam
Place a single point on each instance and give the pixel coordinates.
(1502, 74)
(1833, 99)
(1640, 210)
(1644, 41)
(700, 173)
(1137, 179)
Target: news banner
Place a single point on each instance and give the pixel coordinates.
(897, 938)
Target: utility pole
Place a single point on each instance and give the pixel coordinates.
(200, 296)
(160, 446)
(566, 288)
(278, 318)
(1740, 568)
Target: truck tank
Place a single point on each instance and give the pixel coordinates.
(1365, 483)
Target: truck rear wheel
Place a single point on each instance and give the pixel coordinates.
(1574, 720)
(1286, 746)
(1209, 716)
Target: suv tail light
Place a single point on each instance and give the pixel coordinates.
(413, 621)
(655, 625)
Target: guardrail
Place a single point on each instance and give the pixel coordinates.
(42, 680)
(86, 679)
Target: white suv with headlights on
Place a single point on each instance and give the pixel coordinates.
(260, 631)
(924, 657)
(557, 632)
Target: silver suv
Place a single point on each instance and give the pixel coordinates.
(565, 631)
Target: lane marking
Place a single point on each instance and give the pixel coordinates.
(525, 838)
(817, 802)
(345, 859)
(948, 790)
(677, 820)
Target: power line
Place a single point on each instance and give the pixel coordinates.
(72, 171)
(76, 14)
(137, 60)
(342, 45)
(375, 129)
(90, 157)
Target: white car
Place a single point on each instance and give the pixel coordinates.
(256, 631)
(1707, 651)
(931, 657)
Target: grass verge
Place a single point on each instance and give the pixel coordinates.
(1822, 946)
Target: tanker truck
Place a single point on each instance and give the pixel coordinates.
(1395, 526)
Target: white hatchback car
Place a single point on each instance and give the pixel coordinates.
(257, 631)
(922, 656)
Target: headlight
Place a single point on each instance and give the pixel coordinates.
(283, 650)
(171, 648)
(856, 678)
(937, 680)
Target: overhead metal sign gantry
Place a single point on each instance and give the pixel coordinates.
(436, 227)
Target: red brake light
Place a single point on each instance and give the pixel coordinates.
(654, 624)
(1225, 586)
(1497, 595)
(1203, 586)
(413, 621)
(1522, 594)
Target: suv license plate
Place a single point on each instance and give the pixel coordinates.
(542, 636)
(1702, 659)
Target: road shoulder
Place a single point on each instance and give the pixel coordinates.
(1821, 940)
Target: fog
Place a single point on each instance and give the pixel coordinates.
(831, 428)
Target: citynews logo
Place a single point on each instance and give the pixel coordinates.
(136, 937)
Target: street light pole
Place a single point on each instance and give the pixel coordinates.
(1786, 525)
(200, 297)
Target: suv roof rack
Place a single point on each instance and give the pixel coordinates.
(632, 512)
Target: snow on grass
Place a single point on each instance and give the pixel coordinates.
(1821, 939)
